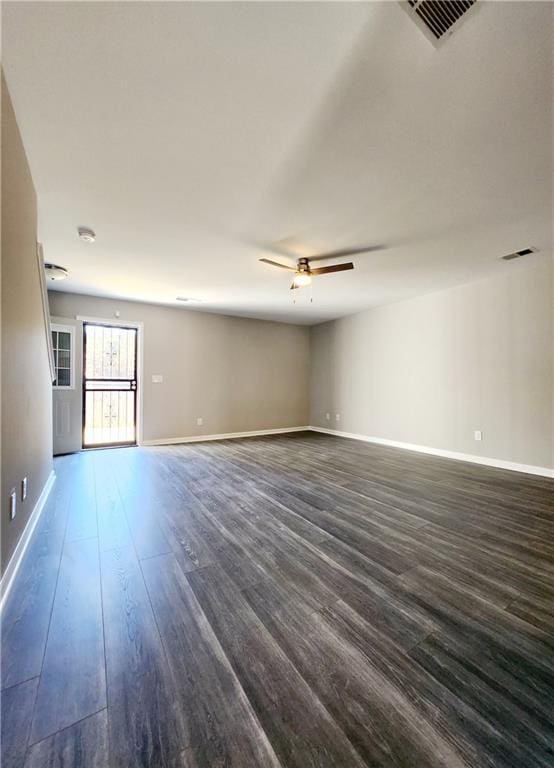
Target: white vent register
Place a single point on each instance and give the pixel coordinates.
(438, 19)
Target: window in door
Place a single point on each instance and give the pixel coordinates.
(63, 347)
(109, 385)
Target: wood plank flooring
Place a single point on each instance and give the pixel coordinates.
(296, 601)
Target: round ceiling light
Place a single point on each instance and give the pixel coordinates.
(86, 234)
(55, 272)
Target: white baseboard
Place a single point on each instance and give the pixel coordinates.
(24, 539)
(224, 436)
(498, 463)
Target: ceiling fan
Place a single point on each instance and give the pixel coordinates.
(303, 272)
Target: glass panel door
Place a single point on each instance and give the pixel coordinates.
(109, 385)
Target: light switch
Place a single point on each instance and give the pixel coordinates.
(157, 378)
(13, 504)
(478, 435)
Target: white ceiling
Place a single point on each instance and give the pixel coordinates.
(193, 136)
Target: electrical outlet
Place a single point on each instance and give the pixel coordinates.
(337, 416)
(199, 421)
(157, 378)
(328, 416)
(13, 504)
(478, 435)
(24, 489)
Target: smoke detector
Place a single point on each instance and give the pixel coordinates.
(86, 234)
(55, 272)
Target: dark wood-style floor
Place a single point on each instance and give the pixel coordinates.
(298, 601)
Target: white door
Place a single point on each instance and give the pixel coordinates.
(66, 391)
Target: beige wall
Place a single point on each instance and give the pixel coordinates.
(431, 370)
(26, 386)
(237, 374)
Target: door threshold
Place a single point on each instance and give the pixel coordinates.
(108, 446)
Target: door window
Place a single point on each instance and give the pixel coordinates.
(63, 346)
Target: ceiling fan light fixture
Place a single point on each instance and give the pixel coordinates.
(303, 272)
(301, 279)
(55, 272)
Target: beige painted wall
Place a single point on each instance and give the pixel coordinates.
(431, 370)
(237, 374)
(26, 386)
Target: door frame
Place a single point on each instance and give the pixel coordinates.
(117, 322)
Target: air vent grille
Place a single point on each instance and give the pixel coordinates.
(517, 254)
(439, 16)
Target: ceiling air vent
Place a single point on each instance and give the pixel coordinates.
(517, 254)
(438, 18)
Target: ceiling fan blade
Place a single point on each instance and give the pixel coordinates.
(332, 268)
(277, 264)
(347, 252)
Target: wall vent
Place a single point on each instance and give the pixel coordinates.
(517, 254)
(438, 18)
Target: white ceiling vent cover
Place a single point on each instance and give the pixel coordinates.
(438, 19)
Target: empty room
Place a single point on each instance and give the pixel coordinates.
(277, 387)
